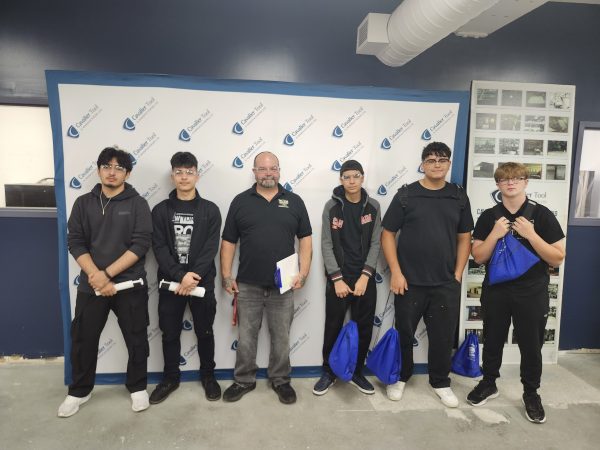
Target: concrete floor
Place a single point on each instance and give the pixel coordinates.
(30, 393)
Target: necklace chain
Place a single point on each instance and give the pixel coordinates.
(102, 205)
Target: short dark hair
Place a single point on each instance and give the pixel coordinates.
(123, 158)
(436, 149)
(184, 159)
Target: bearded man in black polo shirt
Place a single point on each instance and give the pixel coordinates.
(266, 219)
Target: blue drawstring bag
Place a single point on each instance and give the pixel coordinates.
(384, 359)
(465, 361)
(510, 260)
(343, 356)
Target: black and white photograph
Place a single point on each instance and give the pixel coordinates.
(485, 145)
(485, 121)
(478, 332)
(558, 124)
(535, 99)
(487, 97)
(483, 170)
(510, 122)
(552, 311)
(475, 269)
(474, 313)
(556, 171)
(536, 124)
(549, 336)
(509, 146)
(533, 147)
(474, 290)
(559, 100)
(553, 271)
(553, 290)
(512, 98)
(557, 148)
(534, 171)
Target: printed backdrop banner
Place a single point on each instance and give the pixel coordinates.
(312, 129)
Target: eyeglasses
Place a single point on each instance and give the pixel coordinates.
(510, 180)
(431, 162)
(111, 166)
(189, 172)
(266, 169)
(355, 176)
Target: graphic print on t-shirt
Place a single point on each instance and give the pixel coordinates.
(183, 225)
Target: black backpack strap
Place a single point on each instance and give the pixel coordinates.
(461, 196)
(529, 209)
(403, 195)
(498, 211)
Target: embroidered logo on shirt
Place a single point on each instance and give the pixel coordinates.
(337, 224)
(366, 219)
(283, 203)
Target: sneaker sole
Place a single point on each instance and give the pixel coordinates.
(484, 401)
(364, 391)
(85, 400)
(324, 391)
(529, 418)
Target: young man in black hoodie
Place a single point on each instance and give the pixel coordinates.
(110, 231)
(350, 242)
(185, 243)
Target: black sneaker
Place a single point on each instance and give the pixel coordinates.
(322, 386)
(482, 393)
(162, 391)
(363, 385)
(533, 408)
(286, 393)
(212, 390)
(236, 391)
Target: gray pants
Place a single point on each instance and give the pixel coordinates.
(252, 301)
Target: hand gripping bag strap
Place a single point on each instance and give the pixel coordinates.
(466, 359)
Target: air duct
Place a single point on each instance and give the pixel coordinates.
(415, 26)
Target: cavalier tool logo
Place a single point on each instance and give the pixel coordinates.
(76, 281)
(387, 142)
(428, 133)
(186, 325)
(239, 127)
(299, 177)
(291, 138)
(250, 152)
(77, 181)
(151, 191)
(186, 133)
(145, 145)
(87, 118)
(350, 153)
(298, 343)
(391, 182)
(338, 130)
(130, 121)
(497, 196)
(234, 345)
(182, 361)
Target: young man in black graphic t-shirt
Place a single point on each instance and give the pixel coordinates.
(185, 243)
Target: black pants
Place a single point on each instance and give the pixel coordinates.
(362, 310)
(528, 308)
(439, 308)
(170, 317)
(91, 313)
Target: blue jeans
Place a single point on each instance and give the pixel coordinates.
(252, 301)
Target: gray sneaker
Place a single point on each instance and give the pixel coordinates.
(322, 386)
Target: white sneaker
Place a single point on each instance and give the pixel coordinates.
(394, 391)
(447, 396)
(140, 401)
(71, 405)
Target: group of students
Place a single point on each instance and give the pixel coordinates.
(425, 236)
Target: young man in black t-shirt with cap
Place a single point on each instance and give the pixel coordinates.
(350, 242)
(524, 300)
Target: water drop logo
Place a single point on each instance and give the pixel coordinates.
(234, 345)
(382, 190)
(186, 325)
(237, 163)
(288, 187)
(378, 278)
(76, 280)
(336, 166)
(386, 144)
(420, 169)
(72, 132)
(237, 128)
(128, 124)
(426, 135)
(337, 132)
(133, 160)
(415, 342)
(182, 361)
(288, 140)
(497, 196)
(184, 136)
(75, 183)
(377, 321)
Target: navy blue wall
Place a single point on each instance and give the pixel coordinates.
(312, 42)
